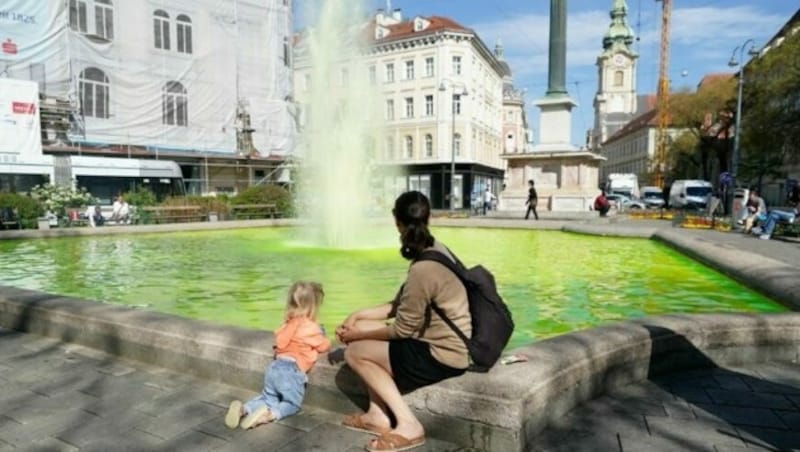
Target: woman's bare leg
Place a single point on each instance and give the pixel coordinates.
(378, 413)
(370, 360)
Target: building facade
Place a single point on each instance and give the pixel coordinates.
(205, 83)
(440, 93)
(616, 102)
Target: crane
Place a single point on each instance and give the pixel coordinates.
(662, 95)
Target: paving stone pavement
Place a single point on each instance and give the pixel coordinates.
(63, 397)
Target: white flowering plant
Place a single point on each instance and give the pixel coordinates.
(56, 198)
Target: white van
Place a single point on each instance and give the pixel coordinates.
(653, 197)
(690, 194)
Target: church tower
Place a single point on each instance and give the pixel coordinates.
(615, 102)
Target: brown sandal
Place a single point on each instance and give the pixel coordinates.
(357, 423)
(392, 442)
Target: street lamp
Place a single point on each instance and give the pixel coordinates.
(463, 92)
(737, 131)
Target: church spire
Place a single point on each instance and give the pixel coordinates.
(620, 35)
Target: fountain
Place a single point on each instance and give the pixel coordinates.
(340, 178)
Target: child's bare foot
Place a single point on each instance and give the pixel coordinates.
(260, 416)
(234, 414)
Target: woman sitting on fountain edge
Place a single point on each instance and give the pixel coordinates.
(410, 352)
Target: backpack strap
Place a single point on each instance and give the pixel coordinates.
(458, 270)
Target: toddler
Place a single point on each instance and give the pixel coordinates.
(298, 343)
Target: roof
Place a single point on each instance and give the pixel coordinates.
(405, 29)
(714, 78)
(645, 120)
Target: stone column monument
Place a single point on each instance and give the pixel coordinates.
(566, 176)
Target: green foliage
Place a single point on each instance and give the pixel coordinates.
(56, 198)
(771, 111)
(267, 194)
(207, 204)
(140, 197)
(26, 208)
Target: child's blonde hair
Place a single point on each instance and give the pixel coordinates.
(304, 300)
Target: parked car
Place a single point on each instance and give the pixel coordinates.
(622, 202)
(653, 197)
(690, 194)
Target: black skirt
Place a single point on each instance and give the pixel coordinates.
(413, 366)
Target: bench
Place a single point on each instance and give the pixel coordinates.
(8, 218)
(250, 211)
(787, 229)
(170, 214)
(76, 217)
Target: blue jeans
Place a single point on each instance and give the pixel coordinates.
(774, 217)
(284, 388)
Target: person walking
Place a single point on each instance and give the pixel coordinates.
(488, 198)
(533, 200)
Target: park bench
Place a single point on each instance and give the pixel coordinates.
(76, 217)
(171, 214)
(251, 211)
(9, 219)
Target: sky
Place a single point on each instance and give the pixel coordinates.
(704, 35)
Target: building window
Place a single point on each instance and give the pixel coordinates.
(428, 145)
(174, 105)
(409, 107)
(77, 15)
(409, 70)
(390, 109)
(373, 75)
(457, 144)
(161, 29)
(456, 65)
(409, 147)
(456, 104)
(429, 105)
(389, 72)
(618, 78)
(389, 148)
(104, 19)
(184, 32)
(429, 67)
(93, 92)
(286, 56)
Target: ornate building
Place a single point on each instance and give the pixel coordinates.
(615, 103)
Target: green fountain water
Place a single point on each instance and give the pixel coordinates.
(339, 177)
(554, 282)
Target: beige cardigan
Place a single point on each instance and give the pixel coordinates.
(426, 281)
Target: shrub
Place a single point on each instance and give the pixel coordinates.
(56, 198)
(27, 208)
(140, 197)
(267, 194)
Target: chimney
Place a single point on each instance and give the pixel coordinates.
(397, 14)
(380, 17)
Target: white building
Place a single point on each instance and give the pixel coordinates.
(615, 103)
(202, 82)
(442, 99)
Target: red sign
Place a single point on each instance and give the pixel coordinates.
(23, 108)
(10, 47)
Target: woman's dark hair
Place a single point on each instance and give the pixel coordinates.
(412, 210)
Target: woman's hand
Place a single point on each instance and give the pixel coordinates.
(346, 334)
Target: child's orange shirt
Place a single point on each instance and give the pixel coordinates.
(302, 339)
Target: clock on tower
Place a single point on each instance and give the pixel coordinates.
(619, 60)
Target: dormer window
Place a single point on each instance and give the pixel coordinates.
(381, 32)
(420, 24)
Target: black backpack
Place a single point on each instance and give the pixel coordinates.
(492, 324)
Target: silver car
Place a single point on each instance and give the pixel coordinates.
(622, 202)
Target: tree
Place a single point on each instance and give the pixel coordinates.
(771, 112)
(706, 115)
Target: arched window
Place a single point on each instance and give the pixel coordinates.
(104, 19)
(457, 144)
(409, 147)
(389, 148)
(618, 78)
(93, 92)
(428, 145)
(174, 105)
(184, 32)
(161, 29)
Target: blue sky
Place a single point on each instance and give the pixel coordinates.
(704, 34)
